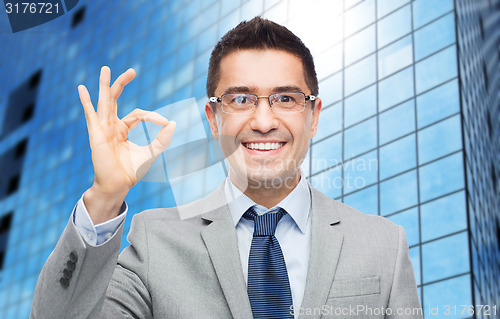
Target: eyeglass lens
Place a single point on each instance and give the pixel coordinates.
(280, 102)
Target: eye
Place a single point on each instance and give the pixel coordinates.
(284, 98)
(241, 99)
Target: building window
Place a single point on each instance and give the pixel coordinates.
(21, 148)
(35, 80)
(11, 163)
(5, 224)
(21, 104)
(78, 17)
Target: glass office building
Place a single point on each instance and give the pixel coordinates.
(409, 128)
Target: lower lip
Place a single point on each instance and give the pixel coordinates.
(264, 152)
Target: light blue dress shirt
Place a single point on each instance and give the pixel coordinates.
(96, 234)
(293, 231)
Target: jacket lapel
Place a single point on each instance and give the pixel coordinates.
(221, 242)
(326, 243)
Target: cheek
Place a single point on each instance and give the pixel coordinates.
(230, 125)
(306, 128)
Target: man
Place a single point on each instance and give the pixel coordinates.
(275, 248)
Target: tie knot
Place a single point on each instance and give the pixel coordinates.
(264, 225)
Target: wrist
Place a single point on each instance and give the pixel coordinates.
(103, 206)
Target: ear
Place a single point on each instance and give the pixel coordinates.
(209, 112)
(315, 116)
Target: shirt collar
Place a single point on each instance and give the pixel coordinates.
(297, 204)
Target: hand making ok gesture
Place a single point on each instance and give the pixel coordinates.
(118, 163)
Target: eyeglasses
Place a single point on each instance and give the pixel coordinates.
(290, 102)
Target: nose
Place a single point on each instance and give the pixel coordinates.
(263, 118)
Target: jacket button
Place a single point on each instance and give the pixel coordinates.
(64, 282)
(73, 257)
(70, 265)
(67, 274)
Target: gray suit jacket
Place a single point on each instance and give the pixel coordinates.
(358, 268)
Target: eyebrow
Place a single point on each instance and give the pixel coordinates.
(287, 88)
(239, 89)
(246, 89)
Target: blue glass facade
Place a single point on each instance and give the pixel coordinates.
(409, 127)
(478, 35)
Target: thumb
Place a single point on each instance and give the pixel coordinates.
(163, 139)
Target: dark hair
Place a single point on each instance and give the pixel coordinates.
(262, 34)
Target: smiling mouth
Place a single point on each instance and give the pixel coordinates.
(264, 146)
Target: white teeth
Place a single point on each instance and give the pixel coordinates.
(264, 146)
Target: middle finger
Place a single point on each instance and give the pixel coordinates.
(104, 107)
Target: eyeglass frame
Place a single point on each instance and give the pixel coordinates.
(215, 99)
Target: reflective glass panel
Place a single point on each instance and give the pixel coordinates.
(326, 153)
(329, 182)
(398, 156)
(330, 89)
(395, 57)
(365, 200)
(398, 193)
(439, 139)
(250, 9)
(436, 69)
(386, 6)
(441, 177)
(360, 172)
(425, 11)
(359, 75)
(394, 26)
(201, 63)
(329, 61)
(409, 220)
(330, 121)
(438, 103)
(228, 22)
(445, 257)
(443, 216)
(360, 106)
(359, 45)
(359, 16)
(434, 36)
(360, 138)
(448, 293)
(395, 89)
(207, 39)
(397, 122)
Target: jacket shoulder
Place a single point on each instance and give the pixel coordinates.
(351, 217)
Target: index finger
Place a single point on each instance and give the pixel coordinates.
(120, 82)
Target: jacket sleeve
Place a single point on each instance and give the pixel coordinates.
(128, 295)
(404, 301)
(84, 281)
(74, 279)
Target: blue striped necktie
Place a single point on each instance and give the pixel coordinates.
(268, 286)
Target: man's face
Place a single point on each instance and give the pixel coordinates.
(263, 72)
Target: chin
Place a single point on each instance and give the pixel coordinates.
(271, 179)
